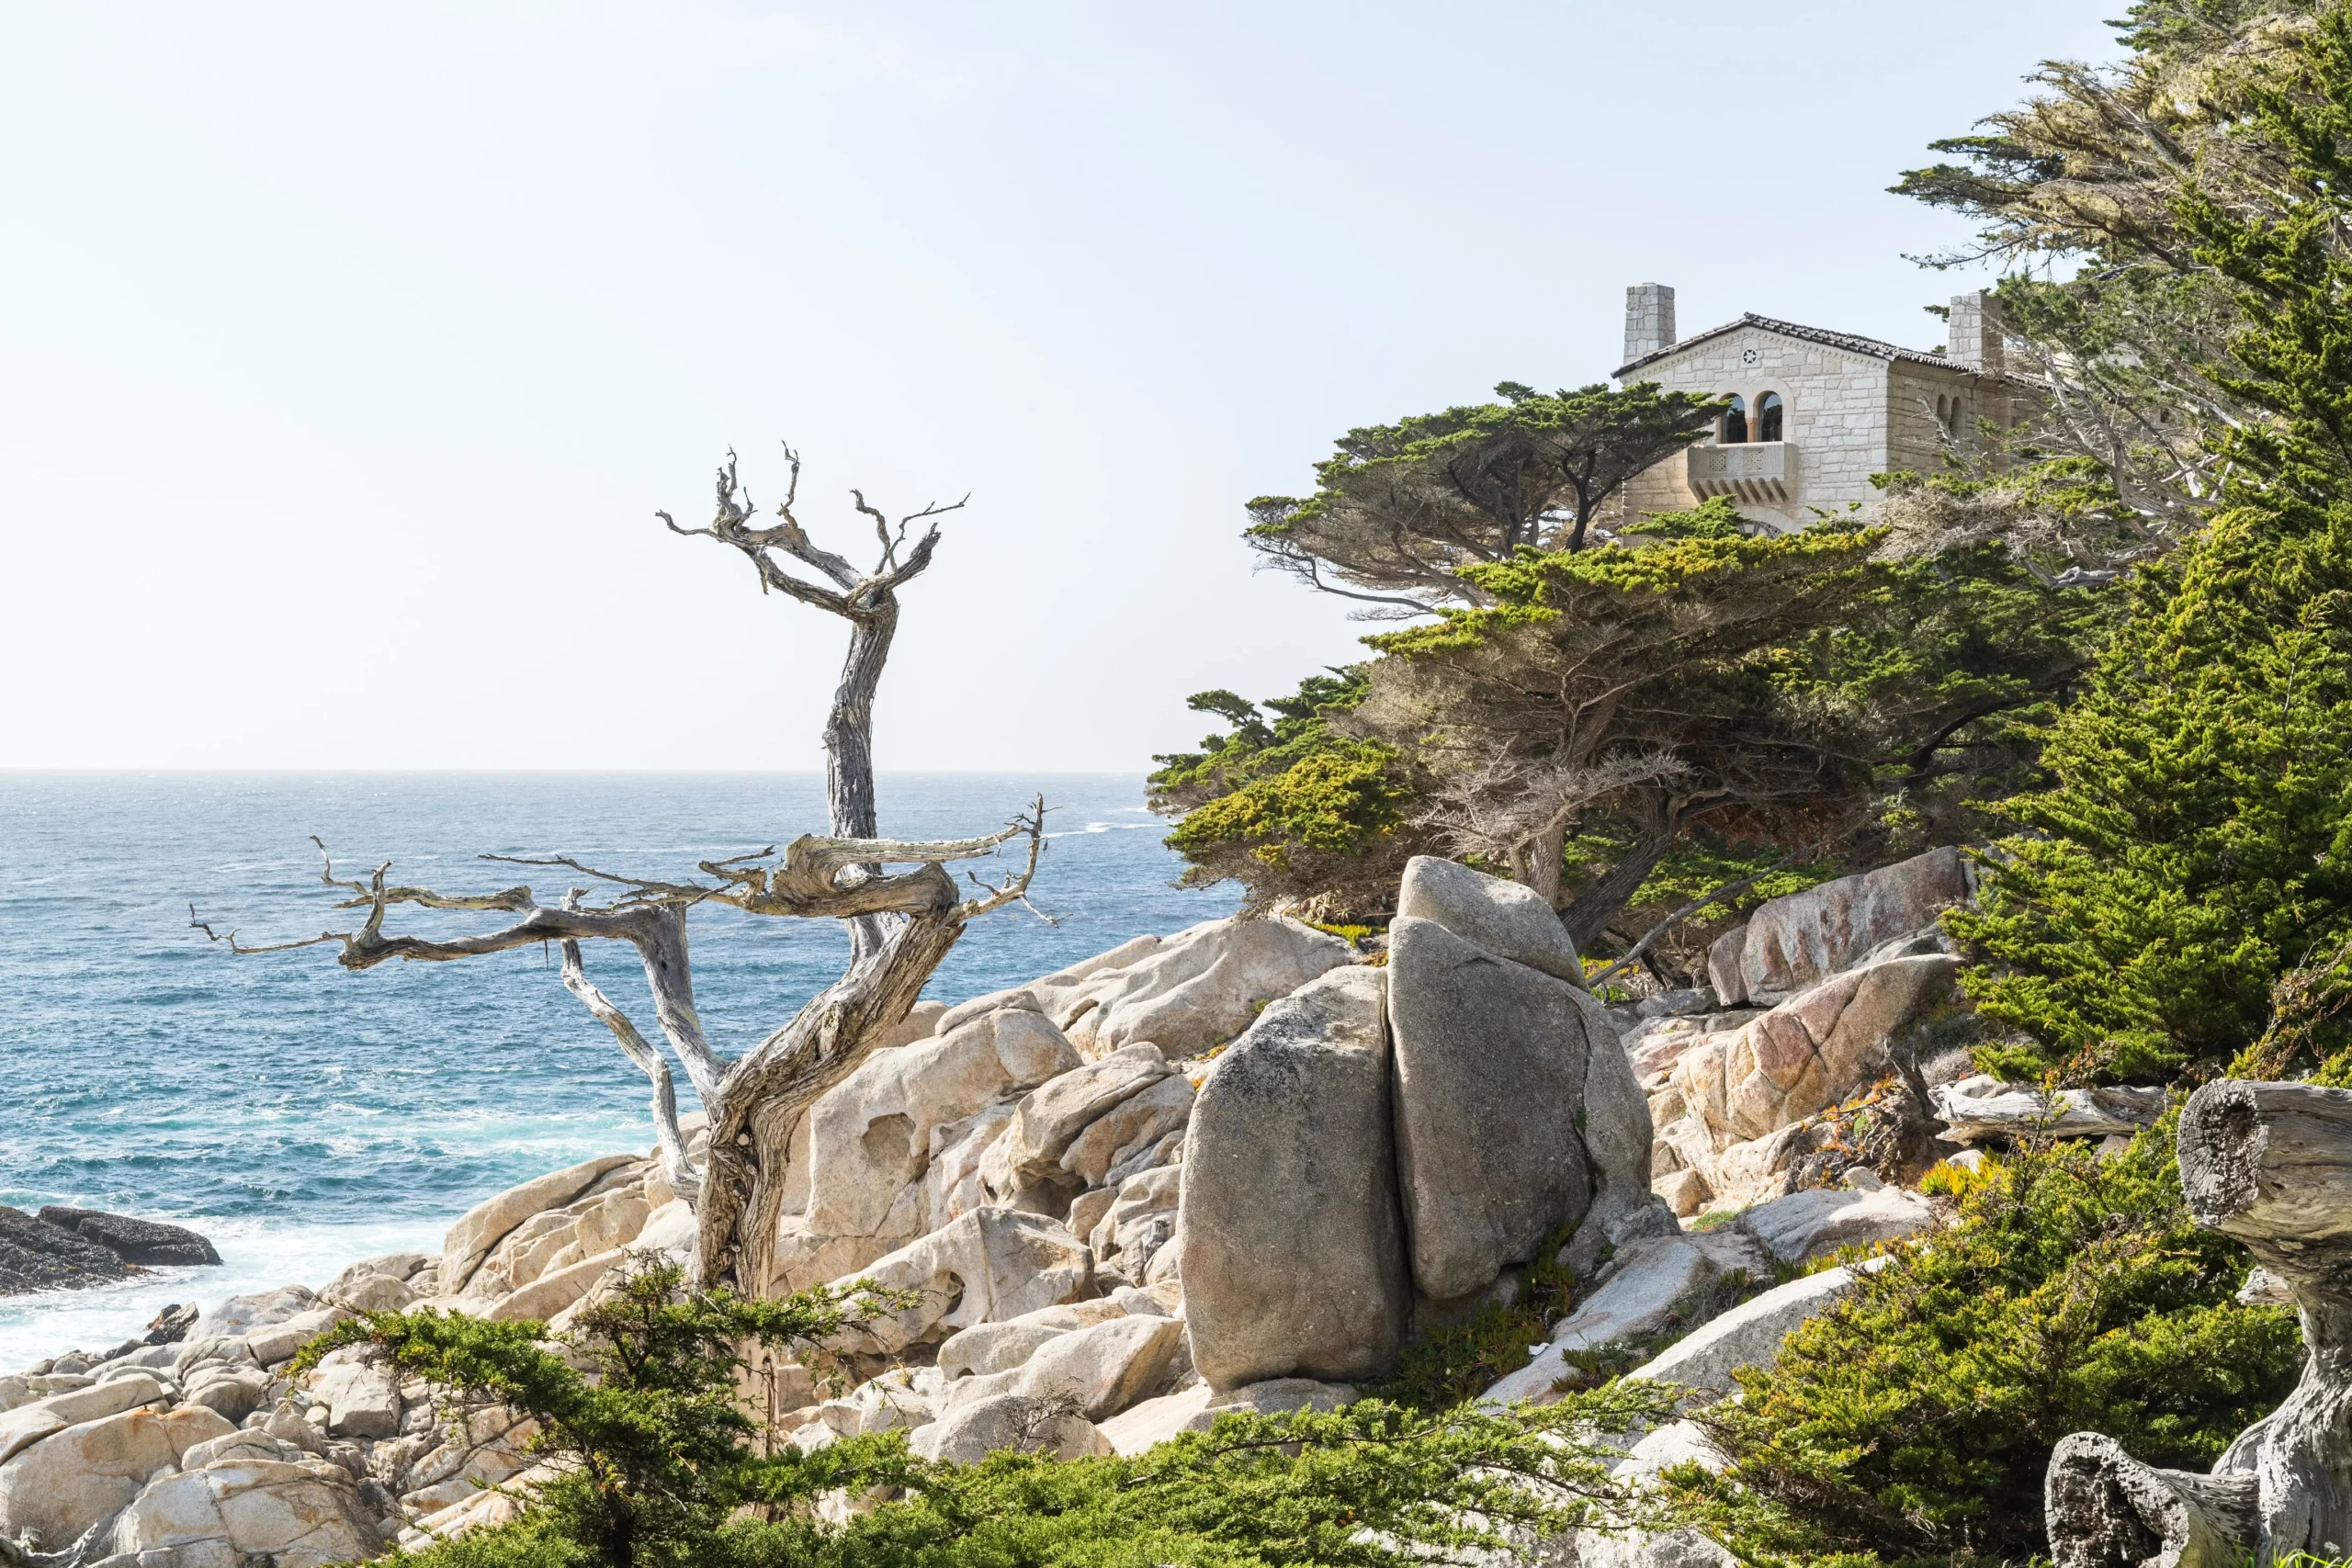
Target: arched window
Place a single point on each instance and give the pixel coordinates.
(1767, 417)
(1943, 411)
(1734, 425)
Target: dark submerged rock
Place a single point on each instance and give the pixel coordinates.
(133, 1241)
(38, 1257)
(63, 1248)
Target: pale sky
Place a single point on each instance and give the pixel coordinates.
(346, 351)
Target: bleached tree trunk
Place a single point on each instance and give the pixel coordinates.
(849, 725)
(2271, 1165)
(868, 601)
(764, 1095)
(2108, 1511)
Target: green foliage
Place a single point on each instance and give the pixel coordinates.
(1446, 1364)
(1249, 729)
(2130, 352)
(1970, 647)
(641, 1397)
(1704, 862)
(1333, 799)
(1290, 806)
(1703, 690)
(2191, 850)
(1402, 507)
(1254, 748)
(1697, 570)
(1914, 1422)
(1635, 694)
(2164, 27)
(1373, 1485)
(1713, 518)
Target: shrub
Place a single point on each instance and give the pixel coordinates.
(664, 1466)
(1370, 1487)
(1914, 1422)
(637, 1403)
(1447, 1363)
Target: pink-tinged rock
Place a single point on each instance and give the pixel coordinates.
(1798, 940)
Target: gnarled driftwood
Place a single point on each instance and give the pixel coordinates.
(2271, 1165)
(1980, 1108)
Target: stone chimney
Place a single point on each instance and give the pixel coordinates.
(1649, 319)
(1973, 335)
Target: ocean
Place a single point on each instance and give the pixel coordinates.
(304, 1117)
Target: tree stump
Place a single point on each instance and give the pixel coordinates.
(2271, 1165)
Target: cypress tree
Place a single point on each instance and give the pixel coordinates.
(2191, 847)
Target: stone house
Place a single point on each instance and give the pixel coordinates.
(1814, 413)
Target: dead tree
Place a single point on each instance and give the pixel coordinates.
(2271, 1165)
(867, 600)
(903, 923)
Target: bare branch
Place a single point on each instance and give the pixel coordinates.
(235, 946)
(512, 898)
(881, 529)
(1015, 889)
(682, 1177)
(687, 891)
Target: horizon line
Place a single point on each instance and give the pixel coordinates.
(68, 768)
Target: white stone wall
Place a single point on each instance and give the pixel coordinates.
(1973, 332)
(1846, 415)
(1914, 442)
(1836, 418)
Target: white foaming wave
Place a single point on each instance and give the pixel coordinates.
(254, 1256)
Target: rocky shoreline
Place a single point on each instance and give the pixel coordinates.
(1234, 1168)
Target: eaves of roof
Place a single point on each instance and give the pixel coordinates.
(1845, 342)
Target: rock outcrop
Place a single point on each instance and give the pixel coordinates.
(1010, 1421)
(1184, 993)
(1822, 1221)
(892, 1153)
(990, 1264)
(296, 1514)
(76, 1479)
(1220, 1171)
(1652, 1288)
(1802, 939)
(64, 1249)
(1505, 918)
(1517, 1108)
(1723, 1102)
(142, 1242)
(1515, 1113)
(1102, 1370)
(1293, 1257)
(1490, 1069)
(494, 1223)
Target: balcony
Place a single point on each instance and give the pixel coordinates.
(1762, 473)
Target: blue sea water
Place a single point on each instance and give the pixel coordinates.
(305, 1117)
